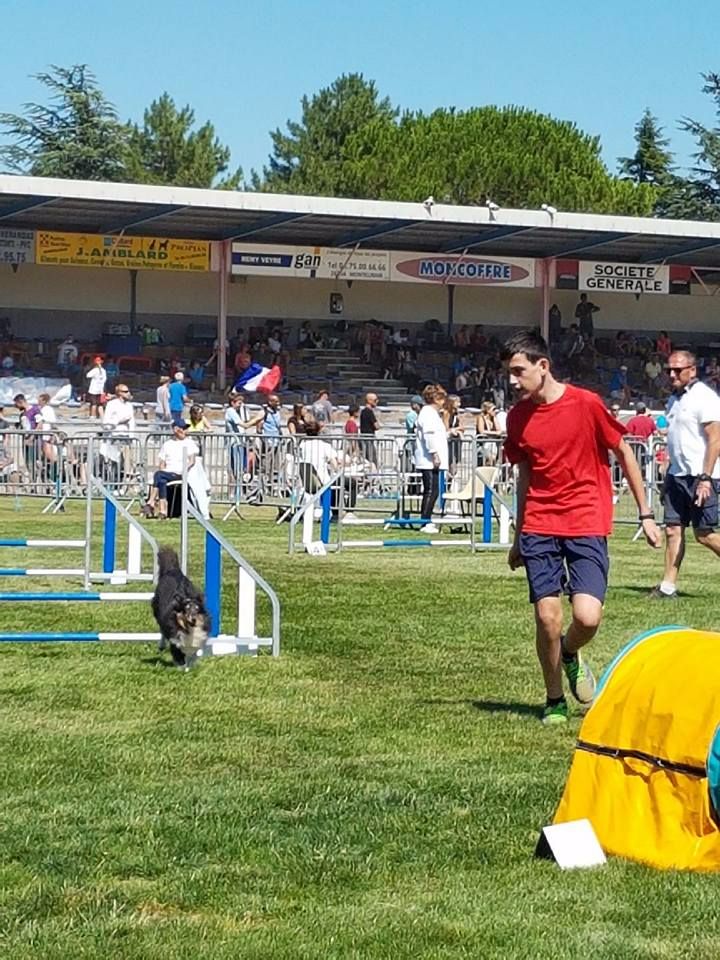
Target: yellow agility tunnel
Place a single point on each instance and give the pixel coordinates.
(646, 768)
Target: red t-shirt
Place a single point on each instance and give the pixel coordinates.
(640, 425)
(351, 426)
(566, 445)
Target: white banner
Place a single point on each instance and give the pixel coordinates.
(322, 262)
(347, 264)
(623, 277)
(17, 246)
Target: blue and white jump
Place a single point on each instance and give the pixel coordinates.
(495, 531)
(244, 639)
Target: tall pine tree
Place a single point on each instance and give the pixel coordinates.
(75, 136)
(166, 150)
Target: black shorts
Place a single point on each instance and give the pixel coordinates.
(556, 565)
(679, 504)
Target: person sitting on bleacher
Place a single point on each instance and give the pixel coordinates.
(172, 454)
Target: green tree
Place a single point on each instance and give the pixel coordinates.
(75, 136)
(699, 196)
(512, 156)
(312, 156)
(166, 150)
(652, 161)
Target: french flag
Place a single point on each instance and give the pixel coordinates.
(257, 378)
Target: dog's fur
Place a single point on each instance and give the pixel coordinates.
(179, 609)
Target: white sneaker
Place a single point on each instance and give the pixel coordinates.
(430, 528)
(348, 517)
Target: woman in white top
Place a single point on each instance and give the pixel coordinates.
(431, 450)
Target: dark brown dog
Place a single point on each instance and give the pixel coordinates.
(179, 609)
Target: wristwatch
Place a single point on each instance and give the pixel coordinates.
(705, 476)
(646, 516)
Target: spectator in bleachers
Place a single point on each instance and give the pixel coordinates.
(7, 365)
(584, 312)
(653, 373)
(97, 378)
(619, 386)
(308, 338)
(431, 450)
(462, 338)
(555, 324)
(111, 367)
(478, 340)
(451, 421)
(712, 374)
(663, 345)
(296, 420)
(196, 375)
(574, 346)
(67, 356)
(322, 408)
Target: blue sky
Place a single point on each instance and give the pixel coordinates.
(245, 66)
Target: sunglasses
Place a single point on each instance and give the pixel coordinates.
(677, 370)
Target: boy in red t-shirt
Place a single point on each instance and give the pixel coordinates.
(559, 436)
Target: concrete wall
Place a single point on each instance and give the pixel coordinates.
(51, 301)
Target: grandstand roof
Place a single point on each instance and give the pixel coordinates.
(36, 203)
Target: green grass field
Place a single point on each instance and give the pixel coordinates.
(376, 792)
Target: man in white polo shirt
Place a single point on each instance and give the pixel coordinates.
(692, 480)
(170, 462)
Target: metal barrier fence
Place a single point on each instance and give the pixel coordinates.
(252, 469)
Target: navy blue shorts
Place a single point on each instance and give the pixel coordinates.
(557, 565)
(680, 507)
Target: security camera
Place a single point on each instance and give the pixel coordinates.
(430, 202)
(491, 206)
(548, 209)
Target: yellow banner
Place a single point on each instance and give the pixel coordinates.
(129, 253)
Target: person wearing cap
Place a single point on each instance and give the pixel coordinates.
(619, 387)
(175, 454)
(97, 378)
(416, 405)
(177, 396)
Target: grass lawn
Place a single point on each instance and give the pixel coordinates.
(376, 792)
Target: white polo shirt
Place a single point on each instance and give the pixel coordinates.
(686, 440)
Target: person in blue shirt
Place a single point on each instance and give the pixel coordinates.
(178, 397)
(416, 405)
(272, 424)
(196, 374)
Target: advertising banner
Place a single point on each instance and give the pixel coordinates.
(137, 253)
(348, 264)
(323, 262)
(438, 268)
(623, 277)
(17, 246)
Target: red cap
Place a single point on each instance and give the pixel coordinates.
(98, 360)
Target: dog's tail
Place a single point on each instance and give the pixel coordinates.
(167, 560)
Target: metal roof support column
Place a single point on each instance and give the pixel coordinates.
(450, 308)
(224, 265)
(547, 274)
